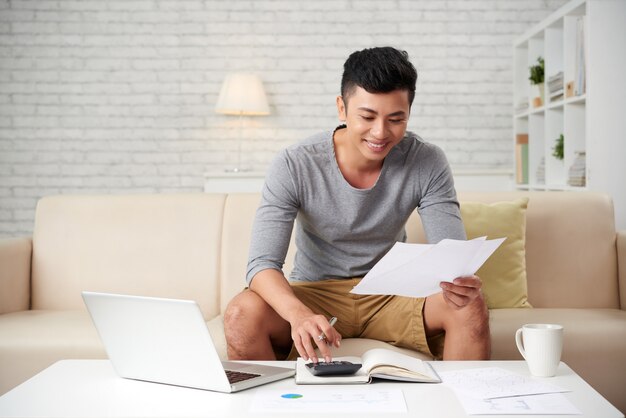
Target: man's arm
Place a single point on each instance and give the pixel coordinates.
(441, 218)
(273, 287)
(271, 234)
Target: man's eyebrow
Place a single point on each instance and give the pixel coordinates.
(398, 113)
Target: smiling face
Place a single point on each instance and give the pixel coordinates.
(375, 123)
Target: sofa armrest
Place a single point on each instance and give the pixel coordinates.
(621, 267)
(15, 262)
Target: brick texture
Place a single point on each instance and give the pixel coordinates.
(117, 96)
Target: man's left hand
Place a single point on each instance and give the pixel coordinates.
(461, 291)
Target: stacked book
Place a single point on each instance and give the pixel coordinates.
(521, 158)
(576, 173)
(541, 171)
(555, 86)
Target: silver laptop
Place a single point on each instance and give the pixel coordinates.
(167, 341)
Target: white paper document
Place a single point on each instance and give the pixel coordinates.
(415, 270)
(547, 404)
(495, 391)
(321, 400)
(495, 382)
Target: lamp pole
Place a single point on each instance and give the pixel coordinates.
(238, 168)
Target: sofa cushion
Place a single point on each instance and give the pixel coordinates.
(571, 260)
(30, 341)
(148, 245)
(504, 273)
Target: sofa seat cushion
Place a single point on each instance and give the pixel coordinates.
(30, 341)
(594, 342)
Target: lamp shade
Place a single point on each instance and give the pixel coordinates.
(242, 94)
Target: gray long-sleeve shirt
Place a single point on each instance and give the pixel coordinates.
(342, 231)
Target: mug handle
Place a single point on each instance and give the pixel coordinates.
(518, 341)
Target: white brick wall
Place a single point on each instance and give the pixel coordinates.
(117, 96)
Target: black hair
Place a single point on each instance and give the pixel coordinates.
(378, 70)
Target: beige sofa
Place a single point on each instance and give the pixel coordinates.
(195, 247)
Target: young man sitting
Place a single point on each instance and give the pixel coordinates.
(352, 190)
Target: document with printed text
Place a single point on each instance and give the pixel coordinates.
(415, 270)
(328, 400)
(495, 391)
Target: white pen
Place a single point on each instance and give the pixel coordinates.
(332, 322)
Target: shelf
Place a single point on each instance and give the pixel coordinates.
(570, 100)
(559, 41)
(585, 40)
(550, 187)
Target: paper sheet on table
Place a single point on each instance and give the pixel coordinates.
(321, 400)
(415, 270)
(495, 382)
(547, 404)
(494, 391)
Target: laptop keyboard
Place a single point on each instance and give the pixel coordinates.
(234, 376)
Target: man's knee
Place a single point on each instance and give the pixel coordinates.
(475, 309)
(243, 310)
(248, 316)
(473, 316)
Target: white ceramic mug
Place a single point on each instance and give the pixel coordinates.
(540, 345)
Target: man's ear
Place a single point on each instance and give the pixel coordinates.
(341, 109)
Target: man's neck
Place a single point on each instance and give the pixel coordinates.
(358, 171)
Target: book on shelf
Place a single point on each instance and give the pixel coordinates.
(378, 363)
(555, 82)
(540, 175)
(577, 85)
(554, 96)
(521, 158)
(580, 73)
(555, 86)
(577, 172)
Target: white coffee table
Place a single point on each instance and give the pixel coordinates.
(90, 388)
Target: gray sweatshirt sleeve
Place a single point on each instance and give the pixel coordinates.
(274, 219)
(439, 207)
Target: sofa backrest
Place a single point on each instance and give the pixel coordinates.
(571, 255)
(571, 259)
(152, 245)
(196, 247)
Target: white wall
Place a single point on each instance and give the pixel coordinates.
(117, 96)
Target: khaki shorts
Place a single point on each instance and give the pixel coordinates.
(397, 320)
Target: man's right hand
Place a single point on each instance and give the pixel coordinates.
(309, 330)
(306, 327)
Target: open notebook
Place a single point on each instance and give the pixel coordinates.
(378, 363)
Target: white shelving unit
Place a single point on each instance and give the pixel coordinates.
(583, 33)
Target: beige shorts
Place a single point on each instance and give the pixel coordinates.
(397, 320)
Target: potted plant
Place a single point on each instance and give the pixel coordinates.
(557, 150)
(536, 79)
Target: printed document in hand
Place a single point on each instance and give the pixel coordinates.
(415, 270)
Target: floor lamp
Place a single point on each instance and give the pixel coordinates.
(242, 95)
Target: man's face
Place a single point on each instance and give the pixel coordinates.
(375, 122)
